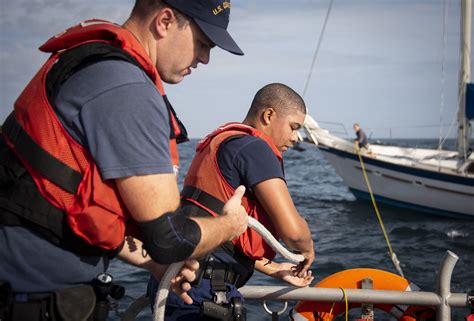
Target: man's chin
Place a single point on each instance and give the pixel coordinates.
(173, 80)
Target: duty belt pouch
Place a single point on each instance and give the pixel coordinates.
(75, 304)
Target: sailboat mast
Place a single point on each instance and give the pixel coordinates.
(464, 126)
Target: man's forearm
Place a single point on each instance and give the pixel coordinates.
(214, 232)
(303, 245)
(133, 253)
(301, 241)
(266, 266)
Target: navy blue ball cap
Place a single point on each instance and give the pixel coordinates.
(212, 17)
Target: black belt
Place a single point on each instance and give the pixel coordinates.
(26, 306)
(218, 273)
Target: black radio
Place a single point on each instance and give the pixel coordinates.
(232, 311)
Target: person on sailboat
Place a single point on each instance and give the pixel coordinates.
(89, 155)
(249, 154)
(361, 141)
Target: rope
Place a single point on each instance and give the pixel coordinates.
(393, 256)
(347, 303)
(275, 245)
(332, 308)
(441, 107)
(320, 40)
(173, 269)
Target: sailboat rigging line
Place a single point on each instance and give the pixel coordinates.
(464, 78)
(442, 139)
(393, 256)
(453, 123)
(443, 77)
(320, 40)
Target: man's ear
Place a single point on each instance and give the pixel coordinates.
(163, 21)
(267, 115)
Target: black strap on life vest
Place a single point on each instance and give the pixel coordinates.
(78, 58)
(206, 199)
(47, 165)
(90, 53)
(183, 133)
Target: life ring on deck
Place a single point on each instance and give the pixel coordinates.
(349, 279)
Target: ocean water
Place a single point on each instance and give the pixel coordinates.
(347, 235)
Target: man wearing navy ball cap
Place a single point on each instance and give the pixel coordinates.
(89, 151)
(212, 17)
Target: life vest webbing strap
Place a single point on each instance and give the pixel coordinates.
(43, 162)
(177, 128)
(203, 198)
(78, 58)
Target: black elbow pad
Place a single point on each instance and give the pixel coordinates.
(170, 238)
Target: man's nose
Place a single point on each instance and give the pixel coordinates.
(294, 136)
(205, 56)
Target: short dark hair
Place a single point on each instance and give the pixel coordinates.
(143, 8)
(278, 96)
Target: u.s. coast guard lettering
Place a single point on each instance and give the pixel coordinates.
(220, 8)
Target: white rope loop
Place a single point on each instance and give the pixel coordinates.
(277, 312)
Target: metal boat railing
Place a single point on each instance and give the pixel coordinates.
(336, 128)
(443, 300)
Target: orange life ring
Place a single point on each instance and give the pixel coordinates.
(349, 279)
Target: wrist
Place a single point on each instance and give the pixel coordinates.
(230, 230)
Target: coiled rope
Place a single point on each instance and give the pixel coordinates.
(173, 269)
(393, 256)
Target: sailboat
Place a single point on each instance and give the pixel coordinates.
(433, 181)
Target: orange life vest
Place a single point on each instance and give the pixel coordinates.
(94, 211)
(204, 174)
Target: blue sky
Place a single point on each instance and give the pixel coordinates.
(380, 62)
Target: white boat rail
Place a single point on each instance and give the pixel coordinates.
(336, 128)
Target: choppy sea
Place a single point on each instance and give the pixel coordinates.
(347, 234)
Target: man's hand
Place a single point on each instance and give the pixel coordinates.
(302, 268)
(132, 254)
(180, 284)
(286, 274)
(283, 271)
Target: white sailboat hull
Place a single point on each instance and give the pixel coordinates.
(404, 186)
(433, 181)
